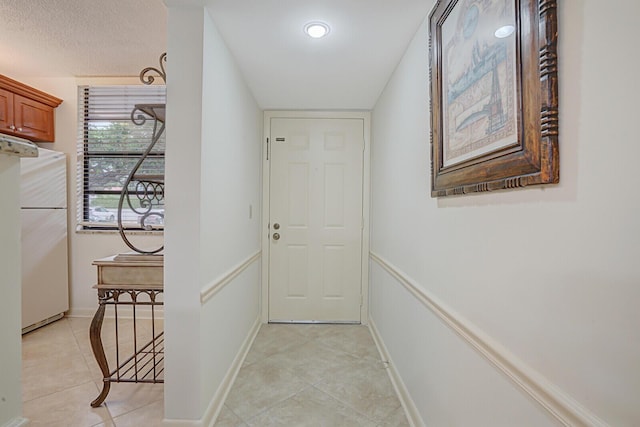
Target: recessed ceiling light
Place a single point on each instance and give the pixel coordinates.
(505, 31)
(316, 29)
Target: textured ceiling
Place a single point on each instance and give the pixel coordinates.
(284, 68)
(55, 38)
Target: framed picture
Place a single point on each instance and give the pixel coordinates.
(494, 95)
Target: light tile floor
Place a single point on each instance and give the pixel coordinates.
(60, 378)
(312, 375)
(294, 375)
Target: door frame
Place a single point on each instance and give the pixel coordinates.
(365, 116)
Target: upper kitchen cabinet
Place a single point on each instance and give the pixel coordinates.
(26, 112)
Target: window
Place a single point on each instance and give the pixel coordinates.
(109, 146)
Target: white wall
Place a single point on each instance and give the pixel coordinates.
(84, 247)
(213, 151)
(10, 286)
(547, 276)
(182, 222)
(230, 194)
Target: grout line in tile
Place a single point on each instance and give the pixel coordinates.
(274, 405)
(347, 405)
(233, 412)
(77, 350)
(58, 391)
(128, 412)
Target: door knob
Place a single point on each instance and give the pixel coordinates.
(276, 236)
(276, 226)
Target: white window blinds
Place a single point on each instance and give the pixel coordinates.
(109, 146)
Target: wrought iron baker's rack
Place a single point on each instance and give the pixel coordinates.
(145, 192)
(134, 280)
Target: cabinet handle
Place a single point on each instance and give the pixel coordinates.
(19, 129)
(12, 127)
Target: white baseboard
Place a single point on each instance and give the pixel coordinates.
(217, 402)
(142, 312)
(566, 410)
(410, 409)
(181, 423)
(16, 422)
(215, 406)
(81, 312)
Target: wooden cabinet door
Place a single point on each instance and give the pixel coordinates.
(33, 119)
(6, 110)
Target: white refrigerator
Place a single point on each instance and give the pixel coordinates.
(43, 201)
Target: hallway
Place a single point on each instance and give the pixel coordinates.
(294, 375)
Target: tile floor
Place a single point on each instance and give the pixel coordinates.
(294, 375)
(60, 378)
(312, 375)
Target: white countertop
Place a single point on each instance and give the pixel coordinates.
(14, 146)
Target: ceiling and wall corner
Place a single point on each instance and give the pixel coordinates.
(283, 67)
(348, 69)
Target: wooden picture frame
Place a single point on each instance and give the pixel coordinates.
(494, 95)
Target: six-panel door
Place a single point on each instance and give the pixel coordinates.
(315, 209)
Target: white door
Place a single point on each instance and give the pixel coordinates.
(316, 218)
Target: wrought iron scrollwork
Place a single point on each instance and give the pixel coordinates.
(144, 192)
(147, 78)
